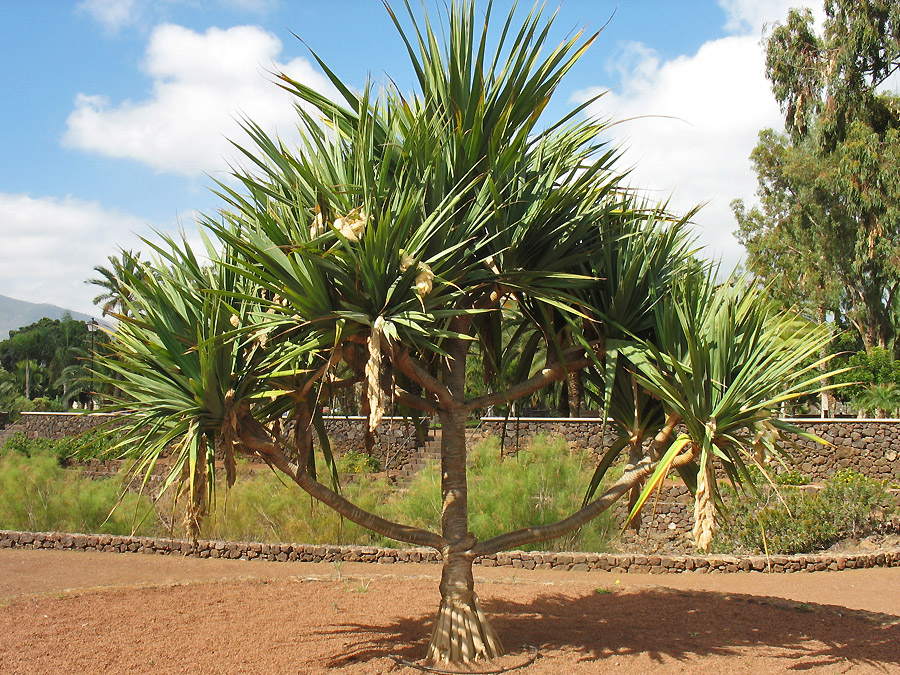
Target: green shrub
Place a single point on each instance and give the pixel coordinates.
(541, 484)
(792, 477)
(794, 521)
(856, 504)
(262, 507)
(88, 445)
(357, 462)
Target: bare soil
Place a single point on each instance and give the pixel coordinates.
(75, 612)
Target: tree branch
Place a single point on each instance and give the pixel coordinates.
(530, 535)
(551, 373)
(410, 367)
(635, 474)
(414, 401)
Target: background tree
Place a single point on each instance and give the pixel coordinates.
(827, 233)
(111, 280)
(401, 232)
(51, 358)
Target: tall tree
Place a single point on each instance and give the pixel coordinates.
(47, 348)
(114, 293)
(828, 229)
(403, 231)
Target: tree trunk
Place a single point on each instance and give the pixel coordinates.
(462, 633)
(824, 396)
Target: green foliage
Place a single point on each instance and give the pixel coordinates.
(827, 233)
(874, 375)
(92, 444)
(795, 521)
(37, 494)
(48, 358)
(791, 477)
(727, 362)
(880, 400)
(357, 462)
(541, 484)
(877, 366)
(262, 507)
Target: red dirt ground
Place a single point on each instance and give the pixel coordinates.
(77, 612)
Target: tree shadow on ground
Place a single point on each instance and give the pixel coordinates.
(664, 625)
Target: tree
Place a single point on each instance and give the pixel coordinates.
(48, 355)
(404, 230)
(882, 399)
(112, 280)
(828, 231)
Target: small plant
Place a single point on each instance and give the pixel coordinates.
(792, 477)
(358, 462)
(361, 587)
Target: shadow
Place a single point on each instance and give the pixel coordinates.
(404, 638)
(662, 624)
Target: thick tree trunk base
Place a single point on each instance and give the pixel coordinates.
(462, 633)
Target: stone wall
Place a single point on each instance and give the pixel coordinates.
(871, 447)
(581, 562)
(58, 425)
(396, 439)
(518, 432)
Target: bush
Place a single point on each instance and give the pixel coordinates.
(262, 507)
(37, 494)
(792, 477)
(88, 445)
(794, 521)
(541, 484)
(357, 462)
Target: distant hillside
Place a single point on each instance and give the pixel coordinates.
(17, 313)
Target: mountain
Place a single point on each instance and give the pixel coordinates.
(17, 313)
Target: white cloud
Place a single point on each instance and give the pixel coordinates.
(201, 83)
(702, 115)
(113, 15)
(749, 16)
(50, 247)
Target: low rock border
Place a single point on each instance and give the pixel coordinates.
(580, 562)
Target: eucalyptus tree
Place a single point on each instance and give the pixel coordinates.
(828, 229)
(402, 231)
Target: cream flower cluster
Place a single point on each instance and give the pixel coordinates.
(350, 226)
(425, 277)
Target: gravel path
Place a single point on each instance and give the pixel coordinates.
(64, 611)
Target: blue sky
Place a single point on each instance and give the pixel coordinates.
(114, 113)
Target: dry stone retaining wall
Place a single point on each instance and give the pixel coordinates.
(871, 447)
(650, 564)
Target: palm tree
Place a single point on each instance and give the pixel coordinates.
(883, 399)
(400, 233)
(113, 281)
